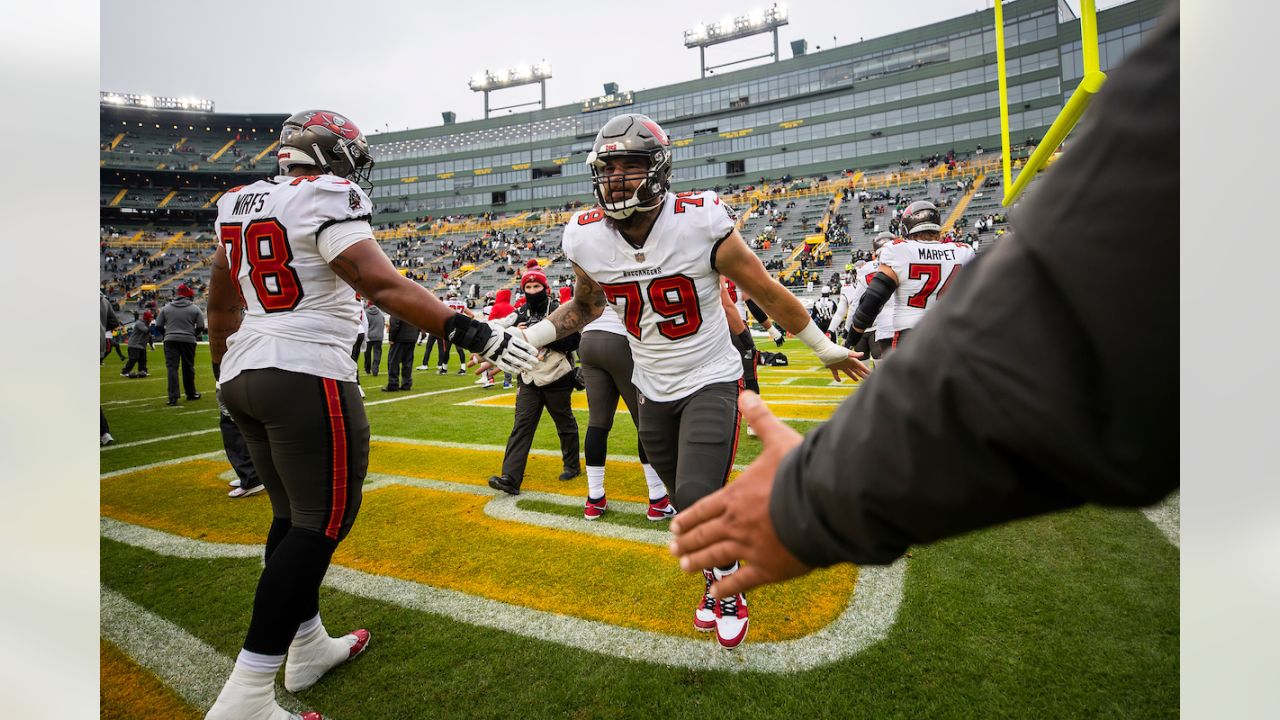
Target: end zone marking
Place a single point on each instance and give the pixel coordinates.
(865, 621)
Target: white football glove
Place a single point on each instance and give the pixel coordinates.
(507, 349)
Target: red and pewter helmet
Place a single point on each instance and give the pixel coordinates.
(921, 216)
(635, 135)
(328, 140)
(882, 239)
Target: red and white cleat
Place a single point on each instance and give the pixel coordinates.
(732, 621)
(661, 509)
(595, 508)
(704, 617)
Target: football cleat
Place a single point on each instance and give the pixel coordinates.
(704, 618)
(307, 664)
(422, 367)
(731, 621)
(595, 508)
(661, 509)
(731, 614)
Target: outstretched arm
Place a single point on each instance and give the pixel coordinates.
(586, 305)
(737, 262)
(368, 270)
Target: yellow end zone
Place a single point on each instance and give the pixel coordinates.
(446, 540)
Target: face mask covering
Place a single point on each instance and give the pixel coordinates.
(537, 302)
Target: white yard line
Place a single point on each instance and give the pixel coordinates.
(182, 661)
(1166, 516)
(163, 438)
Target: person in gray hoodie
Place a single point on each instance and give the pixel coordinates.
(181, 322)
(139, 342)
(373, 345)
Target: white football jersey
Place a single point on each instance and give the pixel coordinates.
(279, 236)
(925, 271)
(667, 293)
(884, 321)
(847, 304)
(456, 305)
(608, 322)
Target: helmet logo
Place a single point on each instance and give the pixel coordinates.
(609, 148)
(657, 131)
(334, 123)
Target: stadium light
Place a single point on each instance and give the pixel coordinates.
(155, 102)
(488, 81)
(757, 21)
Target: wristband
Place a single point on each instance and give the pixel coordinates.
(821, 345)
(466, 333)
(541, 333)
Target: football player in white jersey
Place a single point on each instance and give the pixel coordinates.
(914, 270)
(283, 316)
(657, 257)
(877, 343)
(456, 304)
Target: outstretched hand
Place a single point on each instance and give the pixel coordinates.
(734, 523)
(851, 366)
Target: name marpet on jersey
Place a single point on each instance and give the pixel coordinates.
(642, 272)
(251, 202)
(925, 253)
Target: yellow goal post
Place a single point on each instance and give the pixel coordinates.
(1089, 86)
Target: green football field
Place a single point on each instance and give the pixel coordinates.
(486, 606)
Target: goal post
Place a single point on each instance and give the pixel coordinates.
(1089, 86)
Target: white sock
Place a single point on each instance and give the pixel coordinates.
(312, 654)
(257, 662)
(250, 694)
(308, 627)
(595, 482)
(722, 574)
(657, 490)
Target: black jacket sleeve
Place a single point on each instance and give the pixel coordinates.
(1048, 377)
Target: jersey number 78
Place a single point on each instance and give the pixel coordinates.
(265, 244)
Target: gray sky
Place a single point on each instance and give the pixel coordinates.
(392, 65)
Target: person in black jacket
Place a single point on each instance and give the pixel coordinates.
(1019, 395)
(549, 385)
(402, 336)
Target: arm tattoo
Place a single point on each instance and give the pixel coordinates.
(347, 270)
(586, 305)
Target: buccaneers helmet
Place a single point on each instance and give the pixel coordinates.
(328, 140)
(631, 135)
(882, 239)
(921, 216)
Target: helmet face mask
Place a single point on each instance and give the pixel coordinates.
(329, 141)
(641, 154)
